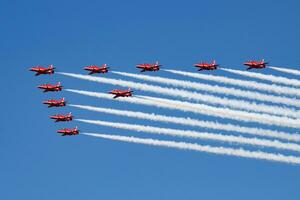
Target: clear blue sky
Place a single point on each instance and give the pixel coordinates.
(35, 163)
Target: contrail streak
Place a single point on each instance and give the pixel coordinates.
(289, 71)
(197, 135)
(227, 113)
(268, 77)
(202, 148)
(206, 87)
(275, 110)
(193, 122)
(238, 104)
(199, 109)
(248, 84)
(133, 100)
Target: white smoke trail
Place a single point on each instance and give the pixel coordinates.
(202, 148)
(275, 110)
(133, 100)
(248, 84)
(200, 109)
(194, 122)
(206, 87)
(267, 77)
(227, 113)
(197, 135)
(289, 71)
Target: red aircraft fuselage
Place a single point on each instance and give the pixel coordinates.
(206, 66)
(256, 64)
(68, 131)
(51, 88)
(55, 103)
(95, 69)
(121, 93)
(149, 67)
(42, 70)
(62, 118)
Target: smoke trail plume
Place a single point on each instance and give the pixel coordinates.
(200, 109)
(268, 77)
(205, 87)
(197, 135)
(194, 122)
(227, 113)
(285, 70)
(238, 104)
(203, 148)
(248, 84)
(275, 110)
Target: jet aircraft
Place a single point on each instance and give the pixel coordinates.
(121, 93)
(206, 66)
(149, 67)
(68, 131)
(96, 69)
(51, 88)
(62, 118)
(256, 64)
(42, 70)
(55, 103)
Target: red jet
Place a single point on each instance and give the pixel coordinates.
(42, 70)
(149, 67)
(95, 69)
(62, 118)
(51, 88)
(206, 66)
(121, 93)
(68, 131)
(256, 64)
(55, 103)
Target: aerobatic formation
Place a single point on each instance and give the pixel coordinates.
(275, 106)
